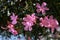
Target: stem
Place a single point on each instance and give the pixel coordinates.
(52, 30)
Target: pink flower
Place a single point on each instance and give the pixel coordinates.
(49, 22)
(53, 23)
(28, 26)
(44, 21)
(10, 26)
(12, 30)
(14, 19)
(41, 8)
(29, 21)
(14, 22)
(31, 18)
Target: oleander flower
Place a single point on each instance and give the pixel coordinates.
(29, 21)
(41, 8)
(53, 23)
(14, 19)
(11, 29)
(31, 18)
(13, 16)
(44, 21)
(49, 22)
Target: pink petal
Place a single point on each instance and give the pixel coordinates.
(43, 12)
(41, 25)
(14, 22)
(44, 4)
(38, 5)
(13, 14)
(33, 15)
(10, 26)
(15, 32)
(56, 22)
(11, 30)
(30, 28)
(13, 17)
(38, 10)
(29, 24)
(26, 28)
(41, 19)
(46, 8)
(23, 23)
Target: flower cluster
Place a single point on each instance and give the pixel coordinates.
(29, 21)
(49, 22)
(11, 26)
